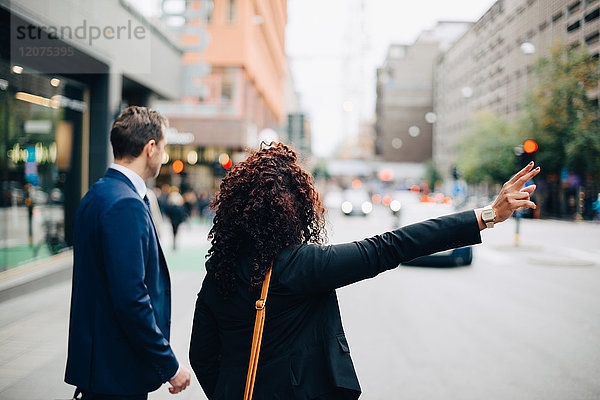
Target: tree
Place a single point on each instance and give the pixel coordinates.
(486, 154)
(432, 175)
(560, 116)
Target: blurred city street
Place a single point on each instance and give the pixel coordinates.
(398, 111)
(517, 323)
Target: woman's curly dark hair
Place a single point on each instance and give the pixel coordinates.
(264, 204)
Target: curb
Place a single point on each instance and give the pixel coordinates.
(520, 247)
(545, 256)
(36, 275)
(560, 261)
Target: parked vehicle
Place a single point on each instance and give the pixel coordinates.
(356, 202)
(402, 199)
(417, 212)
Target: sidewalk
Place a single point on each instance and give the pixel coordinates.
(34, 317)
(36, 275)
(192, 244)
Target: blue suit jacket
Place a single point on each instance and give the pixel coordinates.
(121, 299)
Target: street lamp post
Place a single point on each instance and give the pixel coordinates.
(519, 151)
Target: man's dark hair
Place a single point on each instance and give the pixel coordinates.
(133, 128)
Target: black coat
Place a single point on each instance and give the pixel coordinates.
(177, 214)
(304, 353)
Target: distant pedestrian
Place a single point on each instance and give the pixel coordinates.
(155, 210)
(189, 202)
(596, 208)
(176, 213)
(269, 218)
(121, 303)
(163, 197)
(203, 202)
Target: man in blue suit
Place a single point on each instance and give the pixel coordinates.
(121, 299)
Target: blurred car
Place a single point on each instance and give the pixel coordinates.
(356, 202)
(418, 212)
(402, 198)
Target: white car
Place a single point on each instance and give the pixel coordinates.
(402, 199)
(356, 202)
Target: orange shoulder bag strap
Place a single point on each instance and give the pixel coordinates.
(259, 323)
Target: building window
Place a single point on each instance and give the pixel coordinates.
(592, 16)
(228, 85)
(39, 169)
(574, 26)
(209, 14)
(574, 7)
(231, 11)
(543, 26)
(556, 17)
(226, 92)
(593, 38)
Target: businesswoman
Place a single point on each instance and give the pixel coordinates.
(268, 209)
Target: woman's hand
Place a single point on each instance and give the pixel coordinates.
(513, 196)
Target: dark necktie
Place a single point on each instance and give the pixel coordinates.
(162, 256)
(147, 203)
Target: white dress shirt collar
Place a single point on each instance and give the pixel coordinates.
(138, 182)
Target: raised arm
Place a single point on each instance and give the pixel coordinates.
(311, 268)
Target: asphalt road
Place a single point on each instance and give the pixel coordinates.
(520, 323)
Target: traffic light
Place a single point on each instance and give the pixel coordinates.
(454, 172)
(177, 166)
(526, 152)
(530, 146)
(225, 160)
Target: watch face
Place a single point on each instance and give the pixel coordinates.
(488, 215)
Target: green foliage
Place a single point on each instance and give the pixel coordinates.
(432, 174)
(320, 170)
(487, 151)
(560, 116)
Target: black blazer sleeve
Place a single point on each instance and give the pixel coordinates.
(312, 268)
(205, 347)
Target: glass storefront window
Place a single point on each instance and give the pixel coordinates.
(40, 123)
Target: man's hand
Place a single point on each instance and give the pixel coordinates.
(181, 381)
(512, 196)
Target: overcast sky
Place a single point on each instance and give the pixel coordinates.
(320, 32)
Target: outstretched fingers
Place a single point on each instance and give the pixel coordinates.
(529, 189)
(520, 174)
(525, 203)
(519, 195)
(527, 177)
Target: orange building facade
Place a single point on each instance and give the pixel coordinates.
(234, 69)
(237, 88)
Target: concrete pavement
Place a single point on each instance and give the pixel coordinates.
(34, 321)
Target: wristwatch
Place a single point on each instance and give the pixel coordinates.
(489, 216)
